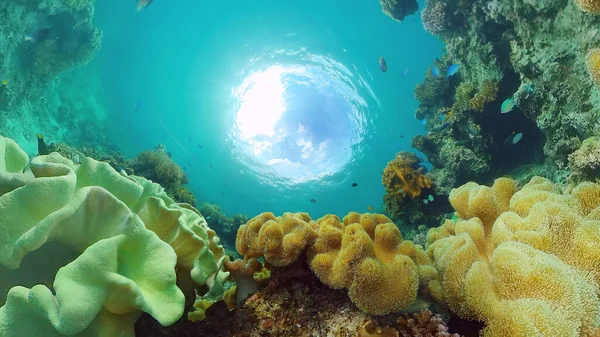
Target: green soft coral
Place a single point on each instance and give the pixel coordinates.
(122, 239)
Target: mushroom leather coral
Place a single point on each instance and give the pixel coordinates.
(402, 177)
(530, 266)
(279, 239)
(119, 238)
(366, 254)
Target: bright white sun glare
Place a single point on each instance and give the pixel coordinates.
(261, 104)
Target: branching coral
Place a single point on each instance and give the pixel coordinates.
(434, 17)
(158, 166)
(523, 262)
(403, 177)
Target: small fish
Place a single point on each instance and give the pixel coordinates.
(422, 228)
(430, 197)
(314, 201)
(528, 88)
(404, 72)
(444, 126)
(369, 208)
(199, 146)
(454, 218)
(441, 115)
(137, 106)
(402, 136)
(517, 138)
(508, 105)
(425, 201)
(435, 71)
(354, 184)
(382, 64)
(222, 193)
(42, 147)
(163, 138)
(143, 4)
(195, 157)
(423, 122)
(208, 217)
(4, 83)
(189, 140)
(210, 165)
(38, 36)
(452, 70)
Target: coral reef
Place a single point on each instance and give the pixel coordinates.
(398, 9)
(158, 166)
(296, 303)
(364, 254)
(434, 17)
(531, 52)
(524, 262)
(44, 90)
(226, 227)
(83, 231)
(407, 189)
(585, 161)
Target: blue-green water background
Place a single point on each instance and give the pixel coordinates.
(182, 59)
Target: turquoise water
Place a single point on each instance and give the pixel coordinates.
(286, 100)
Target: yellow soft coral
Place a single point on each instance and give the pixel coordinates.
(366, 255)
(279, 239)
(403, 177)
(525, 263)
(593, 59)
(590, 6)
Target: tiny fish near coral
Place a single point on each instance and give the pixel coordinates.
(435, 71)
(452, 70)
(508, 105)
(38, 36)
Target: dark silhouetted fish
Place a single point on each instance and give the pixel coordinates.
(42, 147)
(210, 165)
(354, 184)
(199, 146)
(314, 201)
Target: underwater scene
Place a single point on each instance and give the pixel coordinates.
(328, 168)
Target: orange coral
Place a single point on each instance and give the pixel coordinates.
(404, 177)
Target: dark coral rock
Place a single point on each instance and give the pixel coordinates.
(398, 9)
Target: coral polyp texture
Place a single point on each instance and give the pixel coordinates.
(367, 255)
(590, 6)
(364, 254)
(403, 177)
(280, 240)
(84, 250)
(524, 262)
(593, 64)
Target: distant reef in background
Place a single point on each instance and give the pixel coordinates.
(47, 90)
